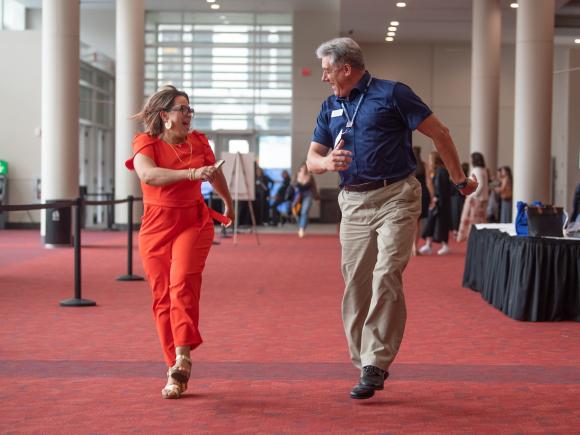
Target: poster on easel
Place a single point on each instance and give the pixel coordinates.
(239, 171)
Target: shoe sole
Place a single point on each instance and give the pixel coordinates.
(371, 392)
(359, 397)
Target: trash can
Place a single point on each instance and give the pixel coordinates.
(58, 226)
(329, 209)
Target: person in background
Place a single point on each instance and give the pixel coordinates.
(364, 132)
(475, 207)
(282, 195)
(504, 190)
(439, 220)
(263, 186)
(576, 205)
(421, 175)
(457, 201)
(494, 200)
(305, 193)
(176, 229)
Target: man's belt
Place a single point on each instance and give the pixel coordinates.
(371, 185)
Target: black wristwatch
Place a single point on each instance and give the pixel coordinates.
(462, 185)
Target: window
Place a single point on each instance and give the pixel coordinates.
(239, 146)
(12, 15)
(275, 152)
(236, 68)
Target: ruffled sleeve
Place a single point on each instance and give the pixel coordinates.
(208, 155)
(142, 144)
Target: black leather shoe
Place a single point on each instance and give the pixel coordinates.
(372, 378)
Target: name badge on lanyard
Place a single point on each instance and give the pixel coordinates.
(350, 122)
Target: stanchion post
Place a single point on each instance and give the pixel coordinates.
(130, 276)
(77, 301)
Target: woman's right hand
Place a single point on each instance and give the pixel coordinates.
(229, 212)
(206, 173)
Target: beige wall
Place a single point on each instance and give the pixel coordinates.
(20, 117)
(440, 74)
(308, 91)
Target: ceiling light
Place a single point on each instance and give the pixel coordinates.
(392, 29)
(210, 1)
(394, 23)
(389, 39)
(391, 33)
(401, 4)
(577, 41)
(513, 5)
(215, 6)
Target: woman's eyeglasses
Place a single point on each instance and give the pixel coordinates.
(183, 108)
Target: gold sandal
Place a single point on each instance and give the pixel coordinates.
(181, 369)
(173, 390)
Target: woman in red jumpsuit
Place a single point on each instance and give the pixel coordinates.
(176, 228)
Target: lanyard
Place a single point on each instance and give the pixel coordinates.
(350, 122)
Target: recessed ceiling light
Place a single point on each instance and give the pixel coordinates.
(394, 23)
(215, 6)
(513, 5)
(391, 33)
(401, 4)
(210, 1)
(389, 39)
(392, 29)
(577, 41)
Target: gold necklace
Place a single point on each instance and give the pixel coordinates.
(177, 154)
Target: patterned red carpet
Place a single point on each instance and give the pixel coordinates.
(274, 358)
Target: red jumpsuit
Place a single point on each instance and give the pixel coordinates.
(175, 238)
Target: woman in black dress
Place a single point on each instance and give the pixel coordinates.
(439, 218)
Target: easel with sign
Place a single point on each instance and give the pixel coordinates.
(238, 169)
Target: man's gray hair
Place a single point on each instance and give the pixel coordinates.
(342, 51)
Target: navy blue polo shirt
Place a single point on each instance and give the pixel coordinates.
(380, 138)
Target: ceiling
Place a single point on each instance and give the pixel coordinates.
(367, 20)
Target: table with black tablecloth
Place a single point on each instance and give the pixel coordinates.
(527, 278)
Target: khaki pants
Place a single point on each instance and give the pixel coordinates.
(377, 233)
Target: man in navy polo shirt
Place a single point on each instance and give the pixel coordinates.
(363, 131)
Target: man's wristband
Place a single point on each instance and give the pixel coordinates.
(462, 185)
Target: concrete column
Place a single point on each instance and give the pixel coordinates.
(60, 100)
(485, 73)
(130, 73)
(533, 100)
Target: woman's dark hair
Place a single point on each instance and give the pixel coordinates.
(436, 160)
(420, 165)
(508, 172)
(160, 101)
(477, 160)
